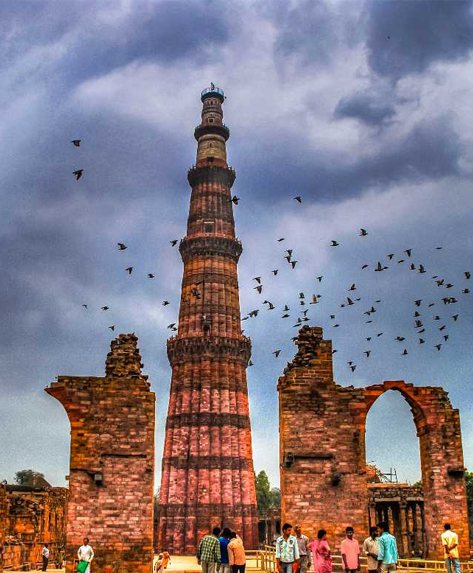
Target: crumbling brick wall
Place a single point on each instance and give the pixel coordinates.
(112, 461)
(322, 448)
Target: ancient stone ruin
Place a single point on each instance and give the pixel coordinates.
(29, 517)
(111, 477)
(323, 462)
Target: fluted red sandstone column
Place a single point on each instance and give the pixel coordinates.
(207, 476)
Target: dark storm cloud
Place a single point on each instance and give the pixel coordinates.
(406, 37)
(97, 37)
(430, 150)
(313, 31)
(365, 107)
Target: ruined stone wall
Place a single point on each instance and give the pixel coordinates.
(322, 449)
(3, 520)
(112, 461)
(32, 516)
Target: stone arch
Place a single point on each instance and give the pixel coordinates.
(441, 456)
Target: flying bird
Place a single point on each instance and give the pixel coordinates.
(112, 327)
(390, 256)
(277, 353)
(319, 278)
(417, 302)
(364, 267)
(467, 275)
(404, 353)
(165, 302)
(121, 246)
(76, 142)
(84, 305)
(298, 199)
(172, 325)
(335, 244)
(105, 307)
(281, 239)
(353, 368)
(257, 279)
(235, 199)
(293, 263)
(367, 352)
(353, 287)
(455, 317)
(275, 272)
(259, 288)
(379, 267)
(78, 173)
(438, 346)
(173, 242)
(399, 338)
(421, 341)
(408, 252)
(363, 232)
(129, 270)
(150, 276)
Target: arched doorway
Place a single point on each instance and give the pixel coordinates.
(393, 473)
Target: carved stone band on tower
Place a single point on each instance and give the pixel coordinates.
(207, 472)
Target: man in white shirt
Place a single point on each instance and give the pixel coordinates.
(450, 547)
(45, 554)
(86, 553)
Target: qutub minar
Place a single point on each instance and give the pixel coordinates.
(207, 470)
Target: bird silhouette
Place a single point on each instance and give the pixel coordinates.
(319, 278)
(455, 317)
(173, 242)
(335, 244)
(408, 252)
(390, 256)
(277, 353)
(421, 341)
(172, 325)
(298, 199)
(275, 272)
(165, 302)
(235, 199)
(105, 307)
(367, 352)
(129, 270)
(150, 276)
(438, 347)
(418, 302)
(363, 233)
(257, 279)
(259, 288)
(353, 287)
(467, 275)
(281, 239)
(364, 267)
(78, 173)
(76, 142)
(404, 353)
(293, 263)
(112, 327)
(122, 246)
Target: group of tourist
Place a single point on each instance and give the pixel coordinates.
(221, 552)
(295, 554)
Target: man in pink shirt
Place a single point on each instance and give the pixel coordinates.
(350, 552)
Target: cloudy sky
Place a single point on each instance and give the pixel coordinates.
(363, 108)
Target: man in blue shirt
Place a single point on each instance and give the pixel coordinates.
(224, 541)
(387, 549)
(287, 550)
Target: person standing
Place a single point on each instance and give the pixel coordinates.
(387, 549)
(86, 553)
(350, 551)
(370, 550)
(45, 555)
(450, 547)
(322, 554)
(224, 541)
(287, 550)
(208, 552)
(236, 554)
(304, 551)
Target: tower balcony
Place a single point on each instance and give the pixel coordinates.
(210, 245)
(211, 174)
(183, 349)
(214, 128)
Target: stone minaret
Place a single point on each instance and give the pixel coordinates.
(207, 471)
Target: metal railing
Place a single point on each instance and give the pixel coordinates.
(266, 561)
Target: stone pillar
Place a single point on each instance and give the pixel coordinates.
(323, 470)
(111, 474)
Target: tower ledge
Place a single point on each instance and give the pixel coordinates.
(211, 174)
(211, 245)
(180, 349)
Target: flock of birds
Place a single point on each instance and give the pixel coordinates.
(349, 301)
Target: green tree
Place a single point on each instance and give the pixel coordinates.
(469, 499)
(263, 492)
(30, 478)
